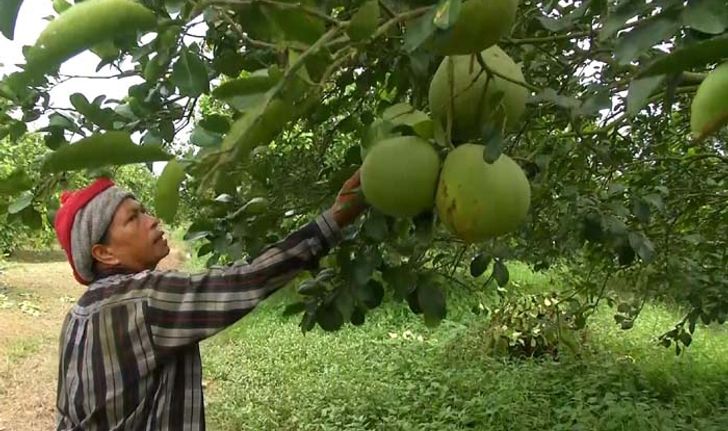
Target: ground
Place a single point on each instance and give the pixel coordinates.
(35, 294)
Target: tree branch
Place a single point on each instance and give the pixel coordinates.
(490, 71)
(282, 5)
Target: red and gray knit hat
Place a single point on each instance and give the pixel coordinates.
(82, 220)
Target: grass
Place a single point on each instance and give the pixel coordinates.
(394, 373)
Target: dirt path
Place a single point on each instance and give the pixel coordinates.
(34, 298)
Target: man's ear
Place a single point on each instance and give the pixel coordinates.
(103, 254)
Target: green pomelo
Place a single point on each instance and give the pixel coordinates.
(480, 24)
(475, 103)
(83, 26)
(709, 109)
(477, 200)
(399, 176)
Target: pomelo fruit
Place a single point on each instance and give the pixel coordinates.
(474, 103)
(477, 200)
(399, 176)
(480, 24)
(709, 109)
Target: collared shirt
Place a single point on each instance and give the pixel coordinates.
(129, 352)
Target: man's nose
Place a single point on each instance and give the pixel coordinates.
(155, 221)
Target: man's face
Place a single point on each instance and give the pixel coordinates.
(134, 240)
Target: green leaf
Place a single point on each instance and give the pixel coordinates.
(431, 299)
(8, 14)
(623, 12)
(446, 13)
(641, 210)
(370, 294)
(294, 308)
(566, 21)
(639, 91)
(479, 264)
(22, 202)
(642, 246)
(329, 318)
(707, 16)
(600, 99)
(364, 266)
(419, 30)
(54, 139)
(685, 338)
(31, 218)
(293, 24)
(205, 138)
(376, 132)
(364, 21)
(111, 148)
(500, 273)
(639, 39)
(357, 317)
(550, 95)
(216, 123)
(189, 74)
(229, 62)
(101, 117)
(696, 55)
(405, 114)
(401, 279)
(60, 121)
(493, 145)
(344, 302)
(307, 321)
(166, 197)
(375, 226)
(310, 287)
(17, 181)
(244, 87)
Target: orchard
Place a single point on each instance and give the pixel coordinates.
(582, 137)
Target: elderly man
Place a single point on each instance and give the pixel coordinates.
(129, 353)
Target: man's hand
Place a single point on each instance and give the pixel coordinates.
(349, 202)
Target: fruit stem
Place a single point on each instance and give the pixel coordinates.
(481, 61)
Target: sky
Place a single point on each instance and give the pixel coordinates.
(28, 26)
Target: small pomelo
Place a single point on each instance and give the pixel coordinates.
(480, 24)
(477, 200)
(399, 176)
(475, 103)
(709, 110)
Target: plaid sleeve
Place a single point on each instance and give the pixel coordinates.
(182, 309)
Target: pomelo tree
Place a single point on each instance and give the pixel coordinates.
(589, 100)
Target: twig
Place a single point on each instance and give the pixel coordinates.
(282, 5)
(125, 74)
(257, 43)
(490, 71)
(536, 40)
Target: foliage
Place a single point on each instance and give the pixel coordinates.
(288, 90)
(32, 227)
(397, 373)
(533, 326)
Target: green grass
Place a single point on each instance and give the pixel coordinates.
(394, 373)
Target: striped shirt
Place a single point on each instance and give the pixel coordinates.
(129, 352)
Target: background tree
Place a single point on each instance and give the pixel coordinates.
(281, 96)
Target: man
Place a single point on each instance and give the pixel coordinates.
(129, 353)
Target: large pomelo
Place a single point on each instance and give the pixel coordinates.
(709, 109)
(480, 24)
(477, 200)
(399, 176)
(474, 103)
